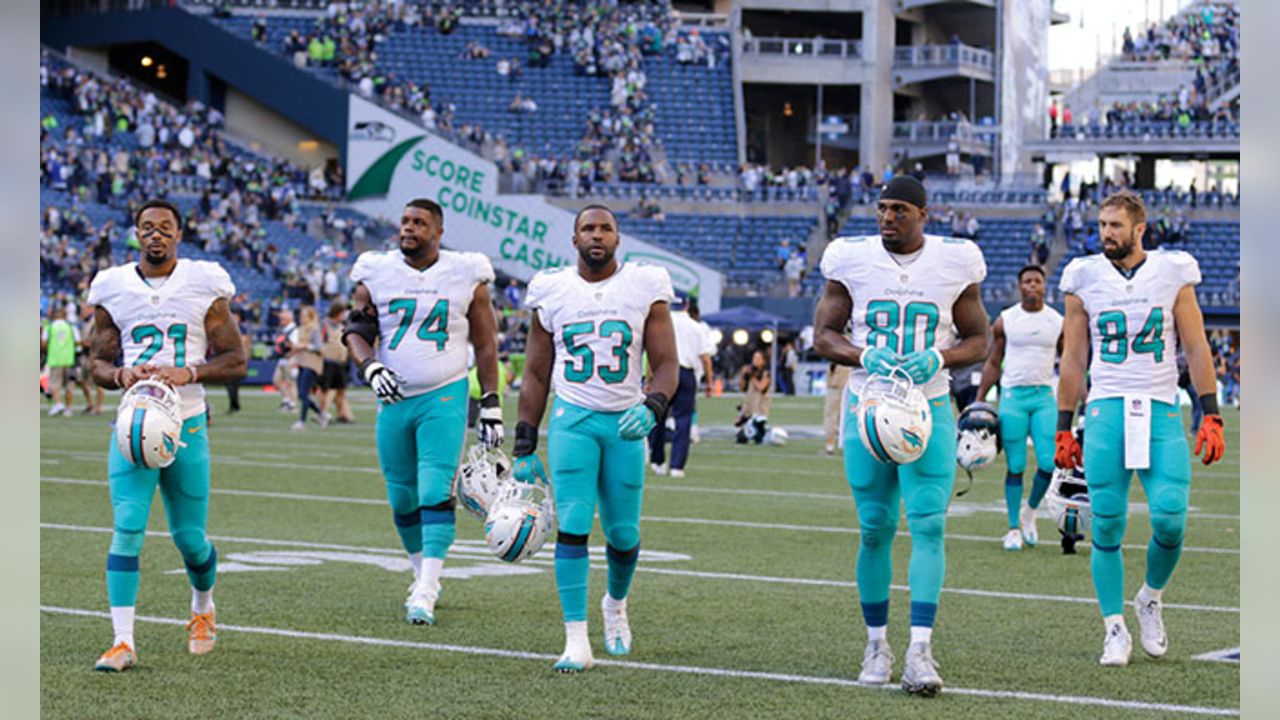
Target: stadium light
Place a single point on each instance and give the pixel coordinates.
(161, 73)
(146, 61)
(716, 336)
(740, 337)
(766, 335)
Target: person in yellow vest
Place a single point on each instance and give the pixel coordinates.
(59, 342)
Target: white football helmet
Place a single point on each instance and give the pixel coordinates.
(776, 436)
(520, 520)
(1068, 501)
(149, 424)
(894, 423)
(978, 437)
(480, 478)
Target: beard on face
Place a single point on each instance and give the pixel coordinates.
(1122, 250)
(595, 264)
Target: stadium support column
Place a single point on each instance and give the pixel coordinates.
(876, 128)
(198, 84)
(739, 102)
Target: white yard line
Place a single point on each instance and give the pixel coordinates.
(307, 497)
(669, 571)
(662, 667)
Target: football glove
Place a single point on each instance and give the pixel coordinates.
(489, 429)
(880, 360)
(1210, 445)
(922, 365)
(384, 381)
(638, 422)
(1067, 453)
(528, 469)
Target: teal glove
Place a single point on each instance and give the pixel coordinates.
(880, 360)
(528, 469)
(923, 365)
(636, 423)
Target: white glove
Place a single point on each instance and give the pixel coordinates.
(489, 430)
(384, 381)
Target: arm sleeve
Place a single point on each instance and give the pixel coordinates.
(99, 289)
(483, 270)
(1070, 282)
(535, 298)
(1187, 267)
(362, 269)
(977, 265)
(220, 282)
(662, 291)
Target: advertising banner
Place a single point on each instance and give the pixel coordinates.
(391, 160)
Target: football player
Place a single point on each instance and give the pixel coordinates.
(172, 321)
(914, 303)
(591, 323)
(1131, 308)
(1026, 339)
(419, 307)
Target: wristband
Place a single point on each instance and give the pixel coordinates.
(1064, 420)
(490, 400)
(526, 439)
(1209, 403)
(657, 402)
(192, 369)
(115, 377)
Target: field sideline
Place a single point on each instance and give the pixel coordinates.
(744, 605)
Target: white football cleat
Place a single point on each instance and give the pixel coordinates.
(1027, 519)
(920, 671)
(617, 631)
(1151, 624)
(576, 657)
(658, 469)
(677, 473)
(1013, 540)
(877, 663)
(420, 607)
(1118, 646)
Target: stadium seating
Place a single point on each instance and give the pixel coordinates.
(741, 247)
(694, 104)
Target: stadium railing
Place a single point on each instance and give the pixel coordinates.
(799, 47)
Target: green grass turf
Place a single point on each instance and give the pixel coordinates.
(758, 581)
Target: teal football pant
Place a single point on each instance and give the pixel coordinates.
(878, 489)
(1167, 484)
(589, 463)
(184, 487)
(420, 443)
(1027, 410)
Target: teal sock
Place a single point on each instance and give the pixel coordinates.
(409, 527)
(1107, 565)
(203, 573)
(622, 567)
(1039, 486)
(1013, 497)
(572, 567)
(438, 531)
(1165, 547)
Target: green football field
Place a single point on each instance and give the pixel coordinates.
(744, 604)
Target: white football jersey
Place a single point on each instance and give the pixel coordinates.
(423, 329)
(164, 326)
(1030, 345)
(1131, 327)
(598, 330)
(904, 308)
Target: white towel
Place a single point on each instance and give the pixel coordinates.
(1137, 432)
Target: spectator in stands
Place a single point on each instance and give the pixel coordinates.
(972, 227)
(793, 270)
(259, 29)
(1039, 246)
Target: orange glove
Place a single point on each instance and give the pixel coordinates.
(1067, 453)
(1210, 440)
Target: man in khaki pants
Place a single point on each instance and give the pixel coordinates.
(837, 377)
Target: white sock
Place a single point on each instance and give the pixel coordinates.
(431, 568)
(1149, 593)
(877, 633)
(415, 560)
(122, 624)
(575, 633)
(201, 601)
(921, 634)
(612, 604)
(1111, 620)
